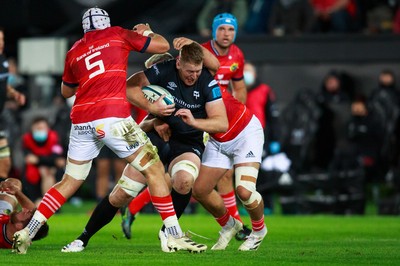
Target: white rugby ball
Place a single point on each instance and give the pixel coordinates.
(153, 92)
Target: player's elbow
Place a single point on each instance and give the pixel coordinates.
(165, 47)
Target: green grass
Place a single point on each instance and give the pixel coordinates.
(292, 240)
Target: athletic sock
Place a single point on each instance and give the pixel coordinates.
(223, 220)
(258, 225)
(230, 204)
(166, 210)
(101, 216)
(51, 202)
(140, 201)
(180, 203)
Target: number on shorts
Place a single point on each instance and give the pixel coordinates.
(98, 63)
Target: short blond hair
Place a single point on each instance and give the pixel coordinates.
(192, 53)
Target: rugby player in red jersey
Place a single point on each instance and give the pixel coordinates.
(230, 79)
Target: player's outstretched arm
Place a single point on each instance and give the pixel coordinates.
(158, 44)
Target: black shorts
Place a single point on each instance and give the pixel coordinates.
(162, 146)
(180, 145)
(3, 128)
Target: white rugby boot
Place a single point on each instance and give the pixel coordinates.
(254, 240)
(74, 246)
(226, 234)
(21, 241)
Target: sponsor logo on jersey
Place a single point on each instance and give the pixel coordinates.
(184, 104)
(196, 94)
(234, 67)
(171, 85)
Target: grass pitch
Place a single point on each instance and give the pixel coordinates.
(291, 240)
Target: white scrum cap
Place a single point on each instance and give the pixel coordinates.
(95, 19)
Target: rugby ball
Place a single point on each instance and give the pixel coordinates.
(153, 92)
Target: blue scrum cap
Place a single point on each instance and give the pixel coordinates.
(95, 19)
(224, 19)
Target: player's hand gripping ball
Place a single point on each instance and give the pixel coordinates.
(153, 92)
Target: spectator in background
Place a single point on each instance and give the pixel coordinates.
(334, 15)
(396, 21)
(6, 91)
(43, 156)
(291, 17)
(379, 15)
(365, 133)
(334, 99)
(258, 16)
(239, 8)
(336, 87)
(12, 117)
(385, 101)
(261, 101)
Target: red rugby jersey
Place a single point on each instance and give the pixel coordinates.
(97, 63)
(231, 68)
(4, 241)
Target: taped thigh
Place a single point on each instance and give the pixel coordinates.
(131, 187)
(78, 171)
(147, 157)
(187, 166)
(246, 176)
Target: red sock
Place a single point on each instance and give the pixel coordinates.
(140, 201)
(230, 204)
(224, 219)
(164, 206)
(51, 202)
(258, 225)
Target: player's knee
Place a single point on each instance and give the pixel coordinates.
(129, 186)
(184, 173)
(246, 179)
(253, 201)
(242, 193)
(146, 157)
(118, 197)
(182, 183)
(185, 167)
(78, 171)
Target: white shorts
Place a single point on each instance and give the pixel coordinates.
(122, 135)
(247, 147)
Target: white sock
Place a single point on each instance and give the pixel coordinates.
(172, 227)
(35, 223)
(229, 224)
